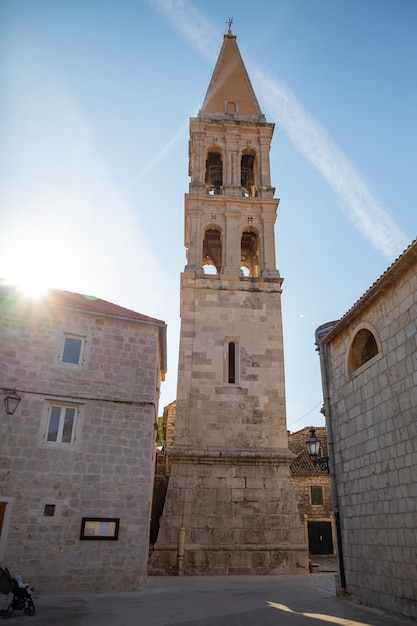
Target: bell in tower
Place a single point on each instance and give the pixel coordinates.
(247, 179)
(214, 172)
(230, 506)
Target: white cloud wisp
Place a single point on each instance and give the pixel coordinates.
(307, 135)
(313, 141)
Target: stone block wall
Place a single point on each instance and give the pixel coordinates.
(230, 485)
(107, 472)
(238, 518)
(374, 420)
(304, 476)
(302, 485)
(250, 412)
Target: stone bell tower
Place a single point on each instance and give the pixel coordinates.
(230, 506)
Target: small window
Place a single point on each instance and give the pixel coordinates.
(316, 494)
(232, 362)
(61, 424)
(49, 510)
(72, 350)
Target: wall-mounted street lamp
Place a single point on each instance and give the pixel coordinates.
(11, 401)
(313, 449)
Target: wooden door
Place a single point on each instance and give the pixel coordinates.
(320, 538)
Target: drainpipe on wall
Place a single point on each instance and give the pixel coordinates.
(322, 349)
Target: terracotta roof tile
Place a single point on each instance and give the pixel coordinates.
(77, 302)
(304, 466)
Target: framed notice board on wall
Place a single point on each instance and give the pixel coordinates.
(97, 528)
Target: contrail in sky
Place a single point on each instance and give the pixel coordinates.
(312, 140)
(308, 136)
(157, 157)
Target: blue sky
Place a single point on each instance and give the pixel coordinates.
(94, 112)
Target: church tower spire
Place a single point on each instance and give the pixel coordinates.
(230, 506)
(230, 85)
(229, 157)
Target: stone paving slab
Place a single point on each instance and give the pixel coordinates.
(282, 600)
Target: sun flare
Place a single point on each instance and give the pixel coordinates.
(32, 286)
(33, 264)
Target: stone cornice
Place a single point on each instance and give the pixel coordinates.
(225, 456)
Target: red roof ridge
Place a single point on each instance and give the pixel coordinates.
(80, 302)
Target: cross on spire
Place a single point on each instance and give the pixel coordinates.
(230, 22)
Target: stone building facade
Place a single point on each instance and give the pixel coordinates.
(230, 505)
(369, 374)
(169, 424)
(77, 457)
(313, 493)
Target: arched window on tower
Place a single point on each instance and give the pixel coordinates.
(214, 173)
(249, 253)
(231, 361)
(212, 249)
(247, 174)
(364, 347)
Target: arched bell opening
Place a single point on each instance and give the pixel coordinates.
(212, 251)
(249, 253)
(214, 172)
(248, 174)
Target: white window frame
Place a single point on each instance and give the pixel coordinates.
(81, 354)
(62, 406)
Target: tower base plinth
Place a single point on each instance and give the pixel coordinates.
(235, 516)
(246, 561)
